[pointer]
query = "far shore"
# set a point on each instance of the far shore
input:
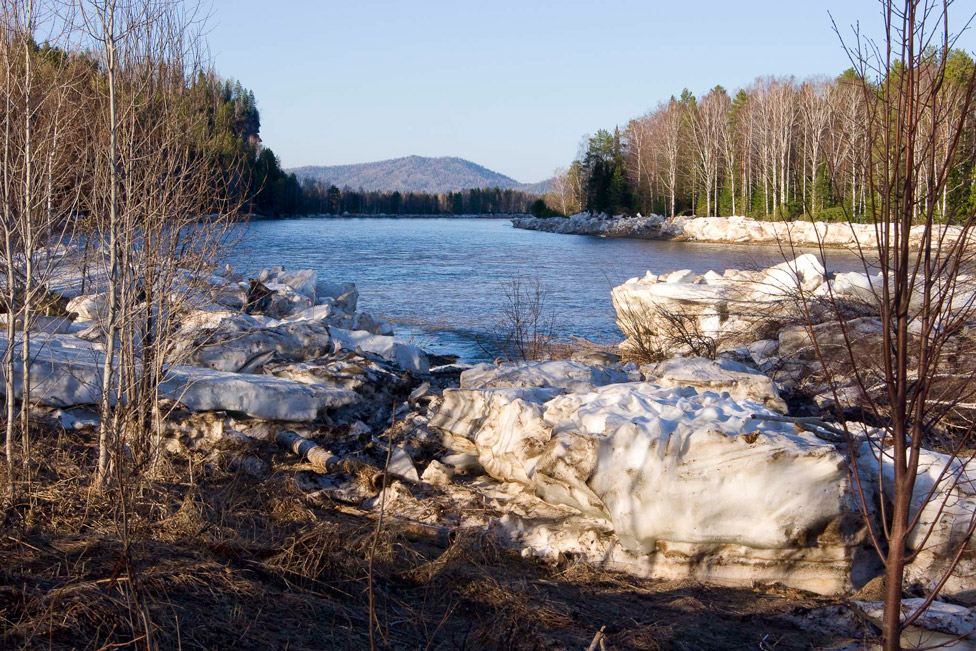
(257, 217)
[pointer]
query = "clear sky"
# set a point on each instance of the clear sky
(511, 85)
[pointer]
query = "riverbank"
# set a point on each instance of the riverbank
(718, 230)
(347, 215)
(232, 561)
(303, 423)
(314, 480)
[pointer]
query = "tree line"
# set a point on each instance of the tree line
(318, 199)
(780, 148)
(231, 132)
(225, 129)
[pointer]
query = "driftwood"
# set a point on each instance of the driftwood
(597, 640)
(316, 455)
(324, 461)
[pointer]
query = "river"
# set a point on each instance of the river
(442, 281)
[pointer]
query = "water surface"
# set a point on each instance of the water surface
(441, 281)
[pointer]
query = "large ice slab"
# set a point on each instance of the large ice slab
(66, 371)
(690, 483)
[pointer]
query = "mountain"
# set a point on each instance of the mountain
(414, 174)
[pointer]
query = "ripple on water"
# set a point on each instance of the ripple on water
(441, 280)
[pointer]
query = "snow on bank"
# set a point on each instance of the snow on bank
(67, 372)
(726, 230)
(730, 309)
(739, 308)
(652, 227)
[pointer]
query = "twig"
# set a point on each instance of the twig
(597, 639)
(373, 621)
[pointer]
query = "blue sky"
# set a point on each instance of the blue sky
(510, 85)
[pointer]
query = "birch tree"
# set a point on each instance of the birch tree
(162, 206)
(37, 157)
(672, 127)
(815, 102)
(709, 125)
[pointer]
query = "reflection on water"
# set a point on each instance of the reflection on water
(441, 280)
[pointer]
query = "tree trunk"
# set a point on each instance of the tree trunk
(27, 233)
(106, 431)
(8, 355)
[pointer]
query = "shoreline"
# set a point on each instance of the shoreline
(383, 216)
(718, 230)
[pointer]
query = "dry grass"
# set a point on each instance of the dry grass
(230, 562)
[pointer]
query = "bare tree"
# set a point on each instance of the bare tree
(528, 323)
(763, 141)
(709, 125)
(777, 113)
(39, 86)
(161, 207)
(730, 137)
(909, 126)
(816, 103)
(563, 194)
(672, 128)
(640, 156)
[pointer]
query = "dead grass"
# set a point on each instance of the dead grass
(230, 562)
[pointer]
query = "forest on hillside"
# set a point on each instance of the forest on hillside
(59, 92)
(418, 174)
(319, 199)
(780, 148)
(221, 124)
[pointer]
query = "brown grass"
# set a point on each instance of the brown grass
(230, 562)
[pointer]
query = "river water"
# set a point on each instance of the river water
(442, 281)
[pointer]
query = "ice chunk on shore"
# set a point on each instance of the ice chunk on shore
(67, 371)
(302, 281)
(690, 482)
(723, 376)
(235, 348)
(572, 376)
(940, 626)
(406, 356)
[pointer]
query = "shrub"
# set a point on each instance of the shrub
(833, 214)
(540, 209)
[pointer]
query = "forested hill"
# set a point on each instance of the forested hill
(413, 174)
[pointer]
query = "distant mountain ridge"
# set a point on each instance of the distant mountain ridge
(414, 174)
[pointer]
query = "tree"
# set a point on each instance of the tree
(672, 128)
(914, 384)
(783, 147)
(731, 137)
(640, 160)
(563, 192)
(709, 124)
(150, 187)
(39, 86)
